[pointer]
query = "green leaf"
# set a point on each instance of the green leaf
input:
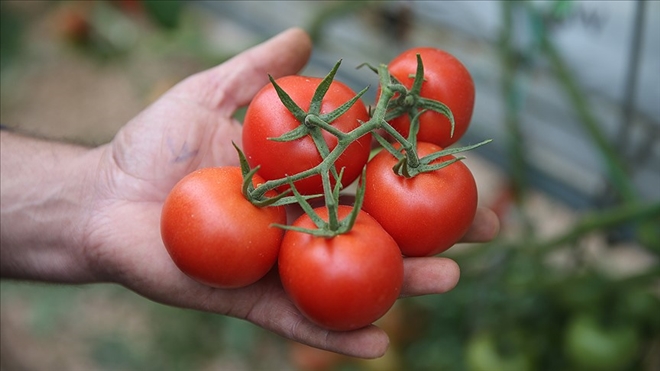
(295, 110)
(439, 107)
(280, 200)
(332, 116)
(419, 77)
(297, 133)
(369, 66)
(434, 167)
(245, 166)
(450, 151)
(248, 187)
(414, 127)
(317, 99)
(402, 169)
(165, 13)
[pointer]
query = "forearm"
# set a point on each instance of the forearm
(43, 209)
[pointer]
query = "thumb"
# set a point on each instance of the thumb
(234, 83)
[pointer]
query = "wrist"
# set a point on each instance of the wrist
(43, 210)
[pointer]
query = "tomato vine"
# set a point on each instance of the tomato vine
(394, 100)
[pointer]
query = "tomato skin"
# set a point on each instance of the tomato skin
(214, 234)
(266, 117)
(345, 282)
(426, 214)
(447, 81)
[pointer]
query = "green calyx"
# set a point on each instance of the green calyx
(411, 102)
(394, 100)
(333, 226)
(426, 164)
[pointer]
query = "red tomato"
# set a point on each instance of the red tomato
(214, 234)
(445, 80)
(345, 282)
(425, 214)
(267, 117)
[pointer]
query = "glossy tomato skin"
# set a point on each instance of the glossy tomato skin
(341, 283)
(214, 234)
(447, 81)
(426, 214)
(266, 117)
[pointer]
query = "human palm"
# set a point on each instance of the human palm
(190, 127)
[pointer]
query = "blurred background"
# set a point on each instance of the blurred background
(569, 91)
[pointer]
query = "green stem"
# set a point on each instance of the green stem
(313, 123)
(616, 169)
(603, 220)
(517, 152)
(330, 202)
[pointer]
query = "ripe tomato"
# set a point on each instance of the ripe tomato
(214, 234)
(446, 80)
(266, 117)
(345, 282)
(425, 214)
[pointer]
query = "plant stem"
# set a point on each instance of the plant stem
(605, 219)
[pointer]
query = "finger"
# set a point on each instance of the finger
(485, 227)
(432, 275)
(367, 342)
(277, 313)
(234, 83)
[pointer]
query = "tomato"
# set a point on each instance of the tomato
(345, 282)
(266, 117)
(592, 346)
(425, 214)
(445, 80)
(214, 234)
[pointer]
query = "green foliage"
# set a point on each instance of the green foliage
(165, 13)
(11, 28)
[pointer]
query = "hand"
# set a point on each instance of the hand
(189, 127)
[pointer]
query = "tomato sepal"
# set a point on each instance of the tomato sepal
(405, 169)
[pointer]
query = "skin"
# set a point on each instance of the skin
(97, 210)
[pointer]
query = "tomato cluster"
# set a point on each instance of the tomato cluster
(306, 137)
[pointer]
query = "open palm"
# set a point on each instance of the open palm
(190, 127)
